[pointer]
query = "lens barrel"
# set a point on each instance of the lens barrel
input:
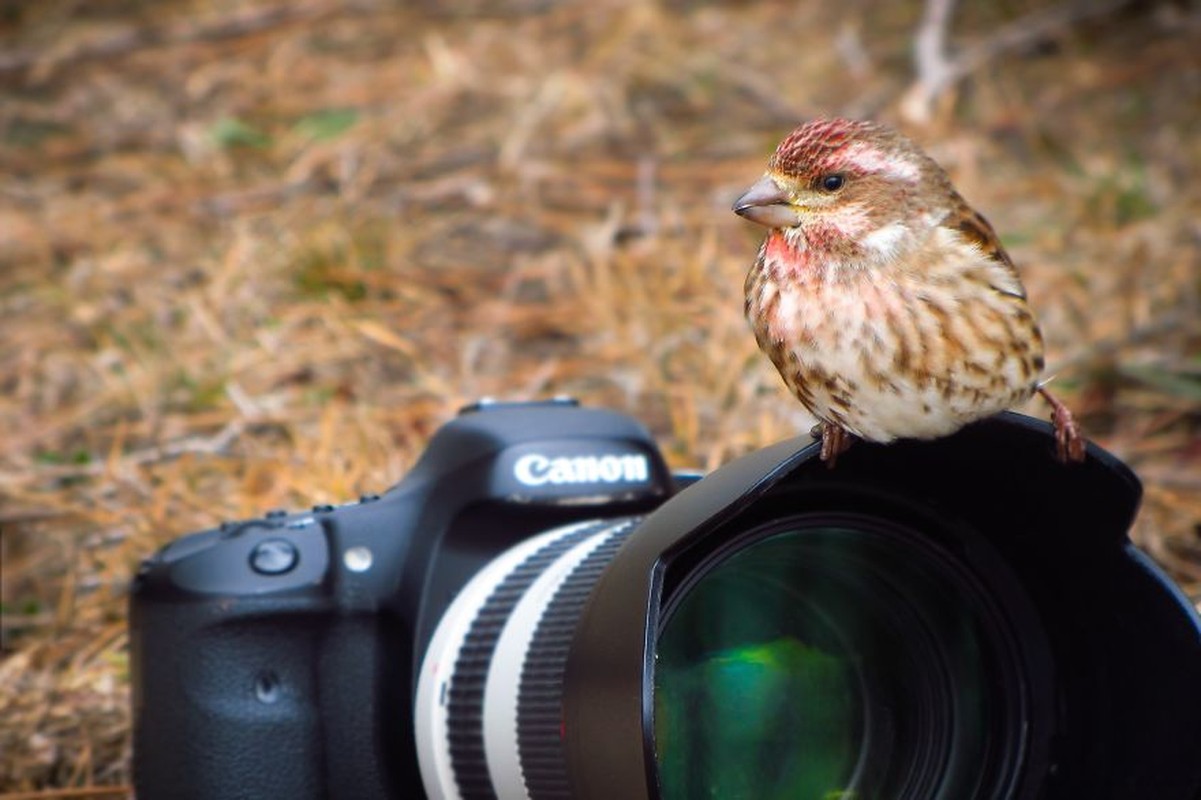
(917, 624)
(488, 710)
(813, 655)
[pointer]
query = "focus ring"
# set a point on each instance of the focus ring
(465, 696)
(540, 725)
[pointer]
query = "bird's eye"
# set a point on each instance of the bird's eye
(832, 183)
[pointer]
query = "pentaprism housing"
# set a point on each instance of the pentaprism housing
(541, 609)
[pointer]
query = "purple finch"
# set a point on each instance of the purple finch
(884, 300)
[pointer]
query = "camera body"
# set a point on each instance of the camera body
(355, 651)
(276, 657)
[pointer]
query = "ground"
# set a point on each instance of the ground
(252, 255)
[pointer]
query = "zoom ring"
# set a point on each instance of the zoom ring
(465, 697)
(540, 723)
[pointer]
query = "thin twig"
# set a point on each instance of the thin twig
(1036, 27)
(1170, 323)
(13, 516)
(205, 445)
(938, 70)
(69, 794)
(230, 26)
(935, 67)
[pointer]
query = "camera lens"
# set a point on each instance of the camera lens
(488, 721)
(827, 657)
(810, 657)
(836, 655)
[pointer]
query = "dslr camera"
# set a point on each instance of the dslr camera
(541, 609)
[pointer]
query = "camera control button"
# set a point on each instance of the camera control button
(274, 557)
(492, 404)
(323, 508)
(276, 513)
(369, 498)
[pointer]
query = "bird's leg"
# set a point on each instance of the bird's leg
(1069, 444)
(835, 441)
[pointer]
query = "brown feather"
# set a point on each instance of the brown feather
(972, 225)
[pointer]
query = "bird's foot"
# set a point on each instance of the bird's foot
(1069, 443)
(835, 441)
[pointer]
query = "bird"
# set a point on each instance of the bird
(884, 300)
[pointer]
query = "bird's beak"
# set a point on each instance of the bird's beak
(767, 204)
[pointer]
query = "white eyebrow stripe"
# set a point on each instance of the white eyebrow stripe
(872, 159)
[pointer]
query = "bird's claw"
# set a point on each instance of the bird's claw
(835, 441)
(1069, 443)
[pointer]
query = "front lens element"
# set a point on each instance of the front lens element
(834, 660)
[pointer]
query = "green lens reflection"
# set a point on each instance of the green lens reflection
(755, 743)
(825, 664)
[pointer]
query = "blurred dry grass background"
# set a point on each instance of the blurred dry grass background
(251, 255)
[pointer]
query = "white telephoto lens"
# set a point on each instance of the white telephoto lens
(436, 682)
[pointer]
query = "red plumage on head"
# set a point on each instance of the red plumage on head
(821, 145)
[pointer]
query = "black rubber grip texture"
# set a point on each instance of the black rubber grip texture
(540, 724)
(465, 696)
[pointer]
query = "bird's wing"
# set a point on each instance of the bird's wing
(972, 225)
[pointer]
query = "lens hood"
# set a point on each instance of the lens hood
(1105, 649)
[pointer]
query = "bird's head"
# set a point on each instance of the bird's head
(847, 186)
